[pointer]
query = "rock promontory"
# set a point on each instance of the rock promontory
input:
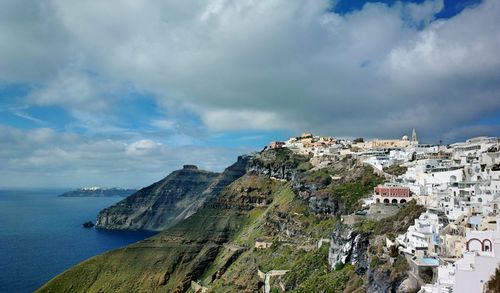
(170, 200)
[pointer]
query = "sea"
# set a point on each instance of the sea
(41, 235)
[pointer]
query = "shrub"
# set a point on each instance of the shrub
(375, 260)
(493, 285)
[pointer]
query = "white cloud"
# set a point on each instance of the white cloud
(423, 13)
(28, 117)
(144, 147)
(235, 64)
(73, 89)
(269, 64)
(237, 119)
(164, 124)
(45, 158)
(33, 44)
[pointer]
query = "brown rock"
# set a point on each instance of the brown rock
(163, 278)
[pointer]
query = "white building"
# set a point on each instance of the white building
(470, 274)
(423, 235)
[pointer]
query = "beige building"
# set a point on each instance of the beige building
(452, 241)
(391, 143)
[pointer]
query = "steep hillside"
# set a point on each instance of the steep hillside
(169, 200)
(277, 226)
(168, 260)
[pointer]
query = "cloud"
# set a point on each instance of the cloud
(267, 65)
(33, 43)
(73, 89)
(163, 124)
(472, 131)
(422, 14)
(28, 117)
(144, 147)
(43, 157)
(233, 119)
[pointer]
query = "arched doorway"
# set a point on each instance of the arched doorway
(386, 200)
(479, 246)
(403, 201)
(394, 201)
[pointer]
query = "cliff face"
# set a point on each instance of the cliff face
(169, 200)
(348, 246)
(277, 217)
(170, 260)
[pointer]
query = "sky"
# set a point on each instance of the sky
(120, 93)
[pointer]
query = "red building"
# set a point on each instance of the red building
(391, 194)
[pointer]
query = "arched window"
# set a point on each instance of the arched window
(403, 201)
(386, 200)
(394, 201)
(475, 244)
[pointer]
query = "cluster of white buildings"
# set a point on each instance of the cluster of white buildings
(457, 237)
(459, 184)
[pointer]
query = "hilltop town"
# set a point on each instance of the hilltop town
(454, 246)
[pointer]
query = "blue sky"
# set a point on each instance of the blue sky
(121, 93)
(450, 7)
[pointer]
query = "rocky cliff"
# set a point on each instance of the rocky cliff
(363, 245)
(271, 219)
(169, 200)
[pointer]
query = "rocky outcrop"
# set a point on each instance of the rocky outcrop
(381, 281)
(348, 246)
(88, 224)
(278, 164)
(168, 201)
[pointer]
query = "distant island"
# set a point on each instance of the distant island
(98, 192)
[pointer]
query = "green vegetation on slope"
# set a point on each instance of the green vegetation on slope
(296, 253)
(351, 192)
(395, 170)
(165, 261)
(311, 273)
(392, 271)
(400, 222)
(215, 247)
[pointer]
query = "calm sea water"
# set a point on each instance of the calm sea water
(41, 236)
